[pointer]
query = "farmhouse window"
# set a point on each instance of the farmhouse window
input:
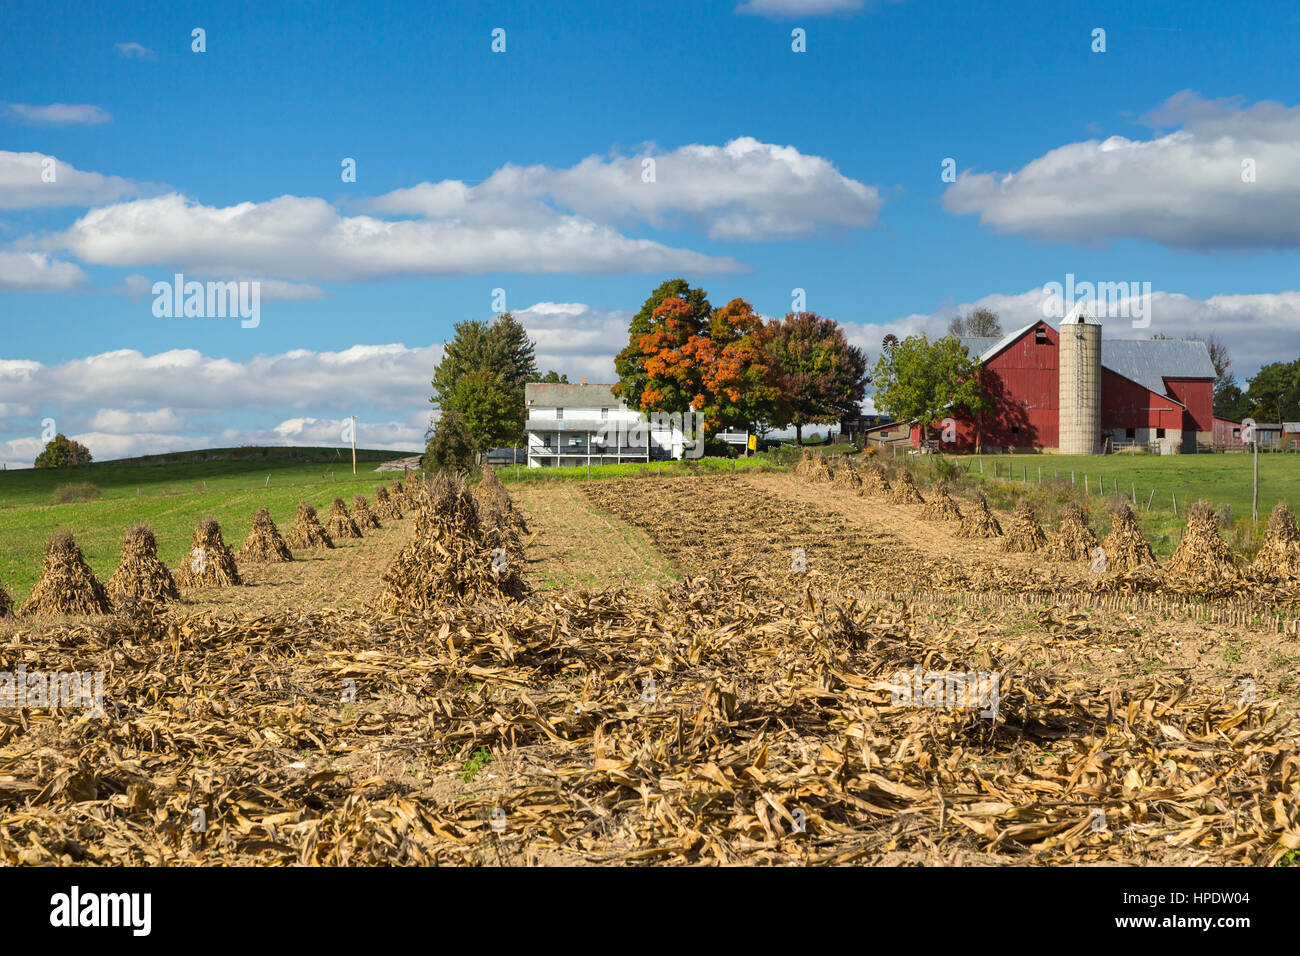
(559, 414)
(1130, 433)
(604, 414)
(1040, 336)
(1160, 433)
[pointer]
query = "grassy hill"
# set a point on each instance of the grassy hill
(172, 493)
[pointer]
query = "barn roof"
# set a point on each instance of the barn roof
(1150, 361)
(1145, 361)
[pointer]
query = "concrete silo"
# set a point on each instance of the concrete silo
(1080, 383)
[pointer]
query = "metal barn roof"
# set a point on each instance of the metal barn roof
(1146, 361)
(1150, 361)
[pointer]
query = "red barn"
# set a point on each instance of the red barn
(1155, 392)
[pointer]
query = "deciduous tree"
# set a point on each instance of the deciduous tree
(824, 377)
(924, 381)
(63, 452)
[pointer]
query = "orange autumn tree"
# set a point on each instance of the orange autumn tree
(673, 373)
(743, 384)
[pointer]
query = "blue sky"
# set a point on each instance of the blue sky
(520, 170)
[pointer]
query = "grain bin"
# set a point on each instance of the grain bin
(1080, 383)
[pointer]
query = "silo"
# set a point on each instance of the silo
(1080, 383)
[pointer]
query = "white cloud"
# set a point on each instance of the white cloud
(135, 51)
(1257, 328)
(37, 272)
(576, 340)
(306, 238)
(58, 114)
(1183, 189)
(125, 403)
(743, 190)
(272, 290)
(23, 183)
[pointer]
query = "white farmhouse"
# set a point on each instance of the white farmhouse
(586, 425)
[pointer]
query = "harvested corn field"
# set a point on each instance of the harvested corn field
(834, 681)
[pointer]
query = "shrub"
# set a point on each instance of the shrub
(77, 491)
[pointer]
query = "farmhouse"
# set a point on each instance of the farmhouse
(1069, 390)
(586, 425)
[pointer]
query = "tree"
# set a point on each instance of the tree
(824, 377)
(551, 378)
(673, 377)
(630, 364)
(1274, 393)
(62, 452)
(485, 404)
(449, 446)
(1226, 392)
(500, 348)
(981, 323)
(743, 383)
(924, 381)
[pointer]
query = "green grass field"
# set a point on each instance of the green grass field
(172, 493)
(1219, 479)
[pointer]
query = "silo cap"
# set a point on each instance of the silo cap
(1080, 315)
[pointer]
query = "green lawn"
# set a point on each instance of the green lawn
(1219, 479)
(172, 493)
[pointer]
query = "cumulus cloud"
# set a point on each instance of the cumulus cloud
(576, 340)
(1228, 178)
(125, 403)
(743, 190)
(58, 114)
(305, 238)
(135, 51)
(37, 272)
(24, 183)
(1257, 328)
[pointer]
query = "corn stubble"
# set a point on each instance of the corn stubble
(766, 711)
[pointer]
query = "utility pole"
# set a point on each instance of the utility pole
(354, 446)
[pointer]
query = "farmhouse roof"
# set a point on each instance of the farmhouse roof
(570, 396)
